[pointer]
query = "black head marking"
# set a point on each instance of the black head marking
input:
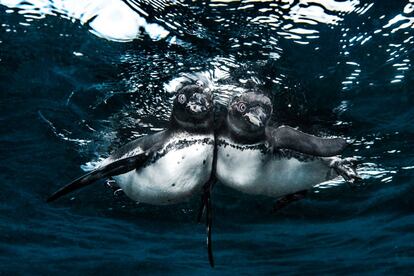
(249, 114)
(193, 108)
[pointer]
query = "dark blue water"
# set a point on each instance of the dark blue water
(77, 81)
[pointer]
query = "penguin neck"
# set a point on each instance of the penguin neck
(243, 137)
(195, 126)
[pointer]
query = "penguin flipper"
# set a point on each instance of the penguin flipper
(115, 168)
(286, 137)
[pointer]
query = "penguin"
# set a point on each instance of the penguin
(169, 166)
(281, 162)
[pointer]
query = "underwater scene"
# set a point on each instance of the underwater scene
(80, 79)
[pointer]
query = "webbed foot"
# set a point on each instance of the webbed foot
(346, 167)
(287, 199)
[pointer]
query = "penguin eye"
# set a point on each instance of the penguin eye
(241, 107)
(182, 98)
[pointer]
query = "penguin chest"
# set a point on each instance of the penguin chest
(253, 169)
(174, 173)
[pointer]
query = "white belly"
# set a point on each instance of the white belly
(264, 173)
(172, 178)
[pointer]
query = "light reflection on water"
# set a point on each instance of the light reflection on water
(110, 19)
(265, 24)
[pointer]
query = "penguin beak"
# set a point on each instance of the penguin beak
(256, 117)
(199, 104)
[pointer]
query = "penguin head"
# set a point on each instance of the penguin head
(249, 114)
(193, 107)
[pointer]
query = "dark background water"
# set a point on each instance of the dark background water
(68, 96)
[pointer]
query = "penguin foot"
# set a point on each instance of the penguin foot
(287, 199)
(346, 168)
